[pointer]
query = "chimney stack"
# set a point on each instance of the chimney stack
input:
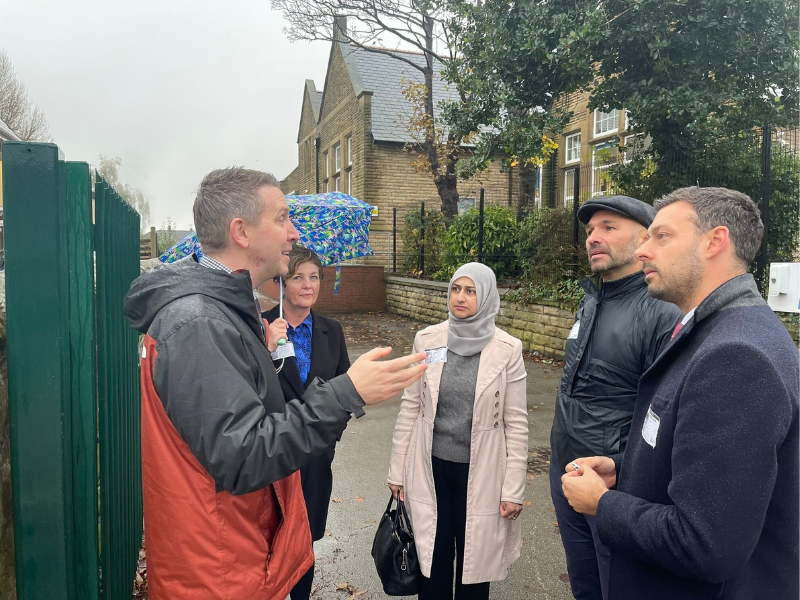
(340, 29)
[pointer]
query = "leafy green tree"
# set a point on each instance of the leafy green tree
(689, 71)
(517, 62)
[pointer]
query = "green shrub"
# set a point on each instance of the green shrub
(544, 246)
(499, 242)
(565, 294)
(435, 228)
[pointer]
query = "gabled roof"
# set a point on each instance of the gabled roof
(381, 75)
(6, 134)
(315, 99)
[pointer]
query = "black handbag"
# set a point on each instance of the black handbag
(394, 552)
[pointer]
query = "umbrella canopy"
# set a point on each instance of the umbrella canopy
(334, 225)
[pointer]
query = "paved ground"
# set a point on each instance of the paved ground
(344, 565)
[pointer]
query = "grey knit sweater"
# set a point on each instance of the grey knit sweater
(452, 427)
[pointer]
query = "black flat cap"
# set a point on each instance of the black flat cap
(632, 208)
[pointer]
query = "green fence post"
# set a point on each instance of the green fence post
(37, 304)
(117, 250)
(83, 357)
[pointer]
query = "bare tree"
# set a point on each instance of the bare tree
(16, 109)
(373, 25)
(109, 170)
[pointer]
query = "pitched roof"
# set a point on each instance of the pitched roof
(382, 75)
(6, 134)
(314, 97)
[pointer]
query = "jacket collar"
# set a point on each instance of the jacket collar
(734, 293)
(596, 287)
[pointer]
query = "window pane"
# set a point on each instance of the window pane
(605, 122)
(573, 143)
(325, 166)
(337, 184)
(349, 151)
(569, 186)
(349, 183)
(336, 159)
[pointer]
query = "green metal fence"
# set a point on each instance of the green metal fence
(73, 378)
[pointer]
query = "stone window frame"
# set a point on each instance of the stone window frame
(337, 158)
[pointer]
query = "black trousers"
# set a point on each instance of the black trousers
(302, 589)
(450, 482)
(588, 559)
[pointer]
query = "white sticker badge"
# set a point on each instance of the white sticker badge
(650, 427)
(284, 351)
(436, 355)
(573, 333)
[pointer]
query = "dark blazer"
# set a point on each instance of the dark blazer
(707, 505)
(328, 359)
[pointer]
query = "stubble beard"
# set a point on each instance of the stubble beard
(617, 258)
(680, 285)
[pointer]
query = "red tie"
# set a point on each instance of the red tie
(675, 331)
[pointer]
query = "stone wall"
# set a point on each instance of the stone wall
(542, 328)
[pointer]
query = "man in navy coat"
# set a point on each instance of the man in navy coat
(704, 501)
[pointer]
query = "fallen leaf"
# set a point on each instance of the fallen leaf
(337, 500)
(527, 503)
(359, 499)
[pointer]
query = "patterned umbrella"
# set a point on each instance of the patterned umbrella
(334, 225)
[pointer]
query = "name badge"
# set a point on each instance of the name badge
(436, 355)
(284, 351)
(650, 427)
(573, 333)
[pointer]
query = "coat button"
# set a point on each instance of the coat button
(496, 415)
(495, 424)
(496, 404)
(497, 393)
(424, 384)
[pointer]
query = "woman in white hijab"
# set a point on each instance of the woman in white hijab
(460, 447)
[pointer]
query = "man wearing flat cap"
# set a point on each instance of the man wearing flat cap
(619, 331)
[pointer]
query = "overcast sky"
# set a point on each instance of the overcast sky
(175, 88)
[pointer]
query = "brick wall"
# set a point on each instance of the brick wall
(542, 328)
(361, 290)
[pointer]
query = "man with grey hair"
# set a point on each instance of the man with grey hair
(704, 503)
(221, 447)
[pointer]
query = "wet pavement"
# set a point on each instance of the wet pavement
(344, 566)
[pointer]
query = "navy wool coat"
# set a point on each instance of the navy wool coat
(707, 499)
(328, 360)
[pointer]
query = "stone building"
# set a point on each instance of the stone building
(353, 137)
(592, 140)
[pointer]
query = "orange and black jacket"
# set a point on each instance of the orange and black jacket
(224, 511)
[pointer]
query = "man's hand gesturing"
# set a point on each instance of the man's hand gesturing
(376, 380)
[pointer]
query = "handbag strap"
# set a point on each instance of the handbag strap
(403, 523)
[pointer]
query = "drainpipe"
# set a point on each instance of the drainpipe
(316, 164)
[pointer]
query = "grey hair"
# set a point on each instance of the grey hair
(715, 207)
(224, 195)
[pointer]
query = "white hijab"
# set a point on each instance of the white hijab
(470, 335)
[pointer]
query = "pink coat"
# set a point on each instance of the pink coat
(498, 456)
